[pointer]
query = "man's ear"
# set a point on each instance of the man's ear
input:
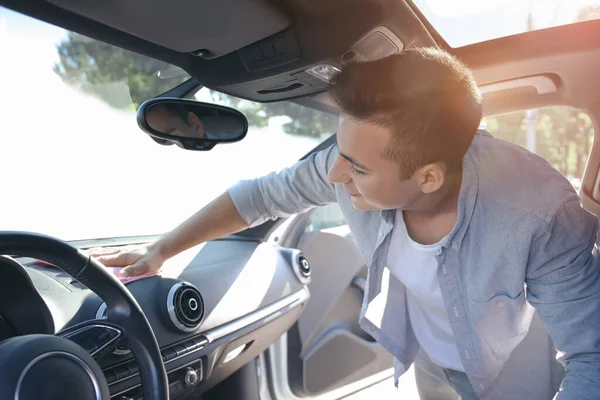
(431, 177)
(196, 123)
(194, 120)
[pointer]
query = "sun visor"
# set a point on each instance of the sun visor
(208, 28)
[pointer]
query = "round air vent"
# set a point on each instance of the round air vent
(185, 306)
(301, 267)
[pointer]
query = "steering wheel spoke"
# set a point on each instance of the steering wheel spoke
(98, 337)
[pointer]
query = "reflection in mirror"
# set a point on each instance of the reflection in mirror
(200, 121)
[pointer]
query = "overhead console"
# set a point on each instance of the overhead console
(323, 37)
(283, 49)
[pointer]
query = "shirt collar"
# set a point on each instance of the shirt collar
(466, 202)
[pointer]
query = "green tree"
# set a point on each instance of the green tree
(105, 71)
(564, 136)
(99, 68)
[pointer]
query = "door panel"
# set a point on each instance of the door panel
(335, 262)
(332, 349)
(340, 357)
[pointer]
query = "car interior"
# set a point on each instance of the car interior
(271, 312)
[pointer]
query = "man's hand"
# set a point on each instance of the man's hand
(218, 219)
(137, 260)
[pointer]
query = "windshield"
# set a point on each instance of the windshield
(73, 161)
(463, 22)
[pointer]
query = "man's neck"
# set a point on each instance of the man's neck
(437, 217)
(443, 201)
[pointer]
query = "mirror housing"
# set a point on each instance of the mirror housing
(192, 125)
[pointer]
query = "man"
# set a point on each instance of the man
(465, 236)
(174, 119)
(177, 120)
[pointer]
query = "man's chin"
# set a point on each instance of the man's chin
(359, 203)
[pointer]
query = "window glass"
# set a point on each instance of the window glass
(74, 163)
(463, 22)
(561, 135)
(326, 218)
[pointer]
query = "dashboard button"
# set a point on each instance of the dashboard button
(190, 345)
(169, 354)
(180, 349)
(175, 387)
(191, 377)
(201, 341)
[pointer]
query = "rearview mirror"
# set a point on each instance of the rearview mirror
(190, 124)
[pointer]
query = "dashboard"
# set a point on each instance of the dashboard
(212, 311)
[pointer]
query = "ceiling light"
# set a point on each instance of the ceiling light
(324, 72)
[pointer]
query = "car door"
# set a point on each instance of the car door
(333, 350)
(326, 353)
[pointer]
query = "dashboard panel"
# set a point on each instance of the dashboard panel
(213, 309)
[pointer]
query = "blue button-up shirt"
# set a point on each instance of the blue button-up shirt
(522, 251)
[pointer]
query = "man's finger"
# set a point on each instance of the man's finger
(103, 251)
(136, 269)
(113, 260)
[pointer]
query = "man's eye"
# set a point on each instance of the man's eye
(357, 171)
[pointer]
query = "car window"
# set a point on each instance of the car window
(326, 218)
(75, 164)
(464, 22)
(561, 135)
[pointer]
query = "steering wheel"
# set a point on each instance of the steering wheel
(62, 366)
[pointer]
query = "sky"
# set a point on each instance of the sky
(462, 22)
(75, 168)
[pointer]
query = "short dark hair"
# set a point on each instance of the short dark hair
(177, 109)
(425, 96)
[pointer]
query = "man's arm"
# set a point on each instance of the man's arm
(563, 284)
(250, 203)
(293, 190)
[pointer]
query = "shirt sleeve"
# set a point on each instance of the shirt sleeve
(563, 284)
(293, 190)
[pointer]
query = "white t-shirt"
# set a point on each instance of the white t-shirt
(415, 266)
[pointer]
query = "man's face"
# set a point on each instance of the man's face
(164, 121)
(372, 182)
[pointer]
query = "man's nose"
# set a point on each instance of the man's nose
(338, 172)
